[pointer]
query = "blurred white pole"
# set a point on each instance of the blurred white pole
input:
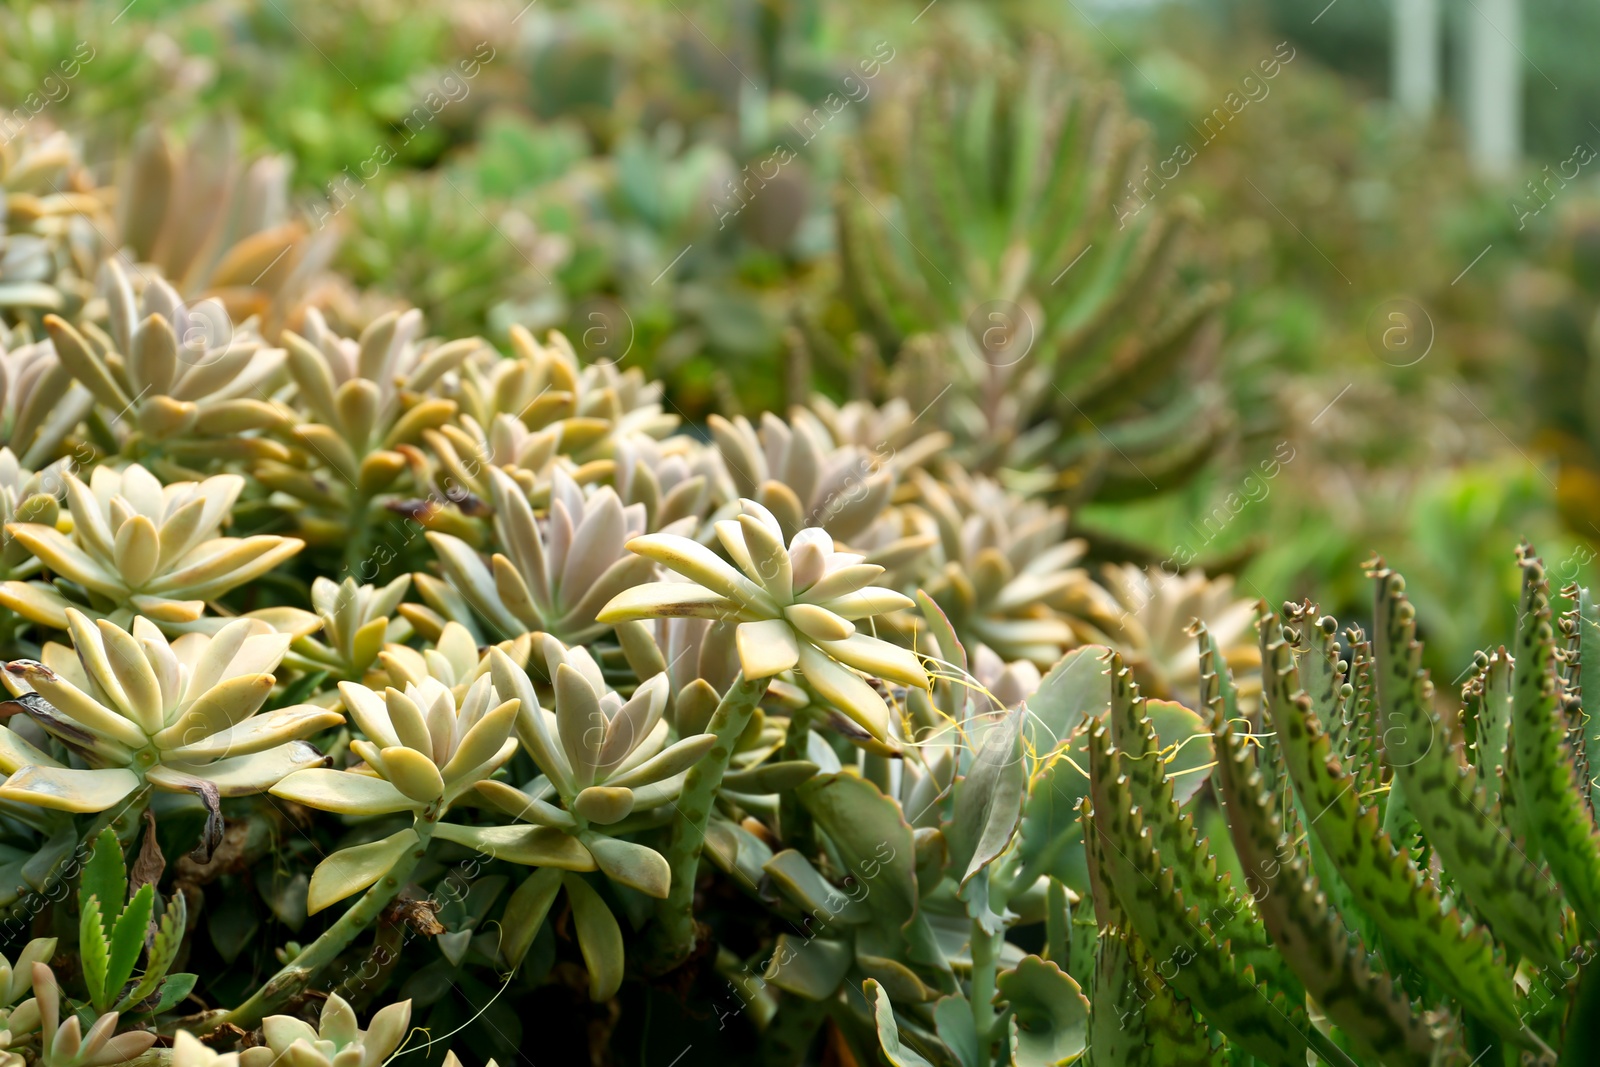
(1494, 84)
(1414, 56)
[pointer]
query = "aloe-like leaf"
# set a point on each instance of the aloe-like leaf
(1547, 793)
(599, 938)
(1231, 915)
(1442, 791)
(1402, 902)
(1334, 969)
(1136, 1019)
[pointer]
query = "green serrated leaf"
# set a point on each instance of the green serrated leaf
(105, 877)
(1270, 1027)
(1547, 792)
(1230, 915)
(1442, 791)
(127, 941)
(1332, 965)
(163, 951)
(92, 948)
(1136, 1019)
(1401, 901)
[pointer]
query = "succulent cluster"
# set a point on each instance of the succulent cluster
(398, 639)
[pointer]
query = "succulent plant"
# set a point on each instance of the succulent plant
(801, 477)
(554, 581)
(172, 379)
(139, 711)
(140, 547)
(40, 404)
(1397, 908)
(48, 239)
(65, 1043)
(370, 396)
(796, 608)
(356, 624)
(1058, 323)
(216, 225)
(1006, 562)
(335, 1039)
(427, 748)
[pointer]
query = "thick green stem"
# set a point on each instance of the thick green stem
(986, 956)
(794, 821)
(299, 972)
(1058, 925)
(985, 959)
(359, 542)
(675, 914)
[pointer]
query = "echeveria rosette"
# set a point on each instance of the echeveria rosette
(552, 580)
(138, 547)
(65, 1043)
(422, 749)
(604, 758)
(336, 1041)
(796, 608)
(424, 746)
(356, 624)
(134, 710)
